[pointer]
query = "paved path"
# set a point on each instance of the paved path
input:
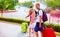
(11, 30)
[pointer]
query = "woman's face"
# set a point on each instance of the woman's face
(32, 10)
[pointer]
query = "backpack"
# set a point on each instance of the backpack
(44, 15)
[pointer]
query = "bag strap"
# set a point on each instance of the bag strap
(38, 11)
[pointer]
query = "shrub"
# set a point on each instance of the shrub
(56, 27)
(14, 20)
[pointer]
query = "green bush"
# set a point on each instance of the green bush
(14, 20)
(26, 4)
(53, 3)
(56, 27)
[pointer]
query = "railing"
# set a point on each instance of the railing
(54, 18)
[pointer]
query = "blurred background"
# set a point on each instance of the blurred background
(16, 11)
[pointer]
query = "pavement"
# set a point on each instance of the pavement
(8, 29)
(12, 30)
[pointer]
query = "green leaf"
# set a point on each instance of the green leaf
(7, 4)
(53, 3)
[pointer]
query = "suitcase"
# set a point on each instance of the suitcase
(48, 32)
(24, 27)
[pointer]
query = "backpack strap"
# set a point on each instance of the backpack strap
(37, 13)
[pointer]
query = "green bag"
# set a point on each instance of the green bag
(24, 27)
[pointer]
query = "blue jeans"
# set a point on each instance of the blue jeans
(36, 29)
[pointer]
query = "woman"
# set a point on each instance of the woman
(32, 20)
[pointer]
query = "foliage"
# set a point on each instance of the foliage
(26, 4)
(56, 27)
(16, 20)
(53, 3)
(7, 4)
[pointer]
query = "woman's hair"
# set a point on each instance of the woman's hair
(31, 6)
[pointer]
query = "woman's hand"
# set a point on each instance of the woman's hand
(26, 17)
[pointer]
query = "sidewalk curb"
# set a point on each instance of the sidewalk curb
(57, 33)
(9, 22)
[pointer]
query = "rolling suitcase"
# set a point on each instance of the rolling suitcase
(48, 32)
(24, 27)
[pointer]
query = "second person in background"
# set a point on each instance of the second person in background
(32, 20)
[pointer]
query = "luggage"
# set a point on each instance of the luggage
(24, 27)
(48, 32)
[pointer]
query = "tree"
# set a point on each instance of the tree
(7, 4)
(26, 4)
(38, 0)
(53, 3)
